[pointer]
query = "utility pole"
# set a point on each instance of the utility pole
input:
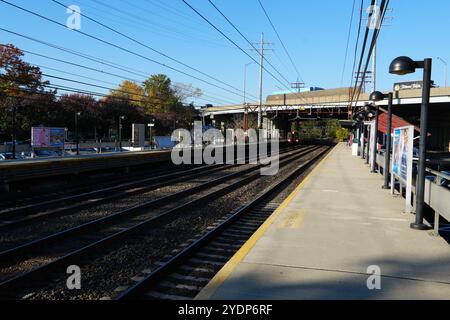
(261, 70)
(261, 52)
(375, 22)
(375, 12)
(298, 85)
(374, 68)
(364, 79)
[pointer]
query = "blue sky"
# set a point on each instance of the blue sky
(314, 32)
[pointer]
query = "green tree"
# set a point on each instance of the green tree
(131, 91)
(160, 96)
(342, 134)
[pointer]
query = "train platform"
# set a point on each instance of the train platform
(22, 171)
(330, 238)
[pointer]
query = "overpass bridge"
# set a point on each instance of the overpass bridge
(279, 109)
(324, 100)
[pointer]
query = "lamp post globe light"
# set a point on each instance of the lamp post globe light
(376, 97)
(77, 136)
(402, 66)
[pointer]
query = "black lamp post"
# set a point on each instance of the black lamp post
(378, 96)
(120, 132)
(401, 66)
(363, 114)
(14, 131)
(150, 126)
(375, 140)
(77, 136)
(360, 128)
(360, 118)
(368, 114)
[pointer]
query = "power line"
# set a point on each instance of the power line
(140, 20)
(229, 39)
(384, 7)
(165, 6)
(109, 88)
(364, 45)
(149, 47)
(218, 99)
(74, 74)
(136, 81)
(281, 41)
(248, 41)
(119, 47)
(350, 92)
(105, 88)
(79, 65)
(251, 44)
(348, 41)
(94, 59)
(82, 92)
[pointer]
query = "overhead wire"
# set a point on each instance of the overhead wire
(281, 41)
(239, 47)
(348, 41)
(119, 47)
(361, 58)
(383, 9)
(94, 59)
(148, 47)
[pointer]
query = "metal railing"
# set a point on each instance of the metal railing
(437, 191)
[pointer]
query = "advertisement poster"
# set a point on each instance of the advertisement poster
(48, 137)
(402, 160)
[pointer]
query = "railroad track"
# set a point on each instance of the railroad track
(31, 213)
(20, 199)
(74, 244)
(29, 201)
(182, 276)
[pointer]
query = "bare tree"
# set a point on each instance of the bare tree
(185, 91)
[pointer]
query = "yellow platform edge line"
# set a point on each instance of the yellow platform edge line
(228, 268)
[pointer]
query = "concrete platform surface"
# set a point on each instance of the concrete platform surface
(320, 243)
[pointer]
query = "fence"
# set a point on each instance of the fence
(437, 191)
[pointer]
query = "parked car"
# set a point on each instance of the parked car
(88, 150)
(7, 156)
(46, 153)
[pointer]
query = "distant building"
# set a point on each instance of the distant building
(307, 89)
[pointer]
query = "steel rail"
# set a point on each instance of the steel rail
(154, 277)
(40, 272)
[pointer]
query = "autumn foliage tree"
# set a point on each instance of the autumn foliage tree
(22, 87)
